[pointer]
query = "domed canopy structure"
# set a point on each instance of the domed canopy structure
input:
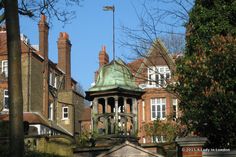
(115, 76)
(114, 104)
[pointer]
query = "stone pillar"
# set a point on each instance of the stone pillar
(116, 115)
(106, 118)
(125, 106)
(191, 146)
(94, 114)
(106, 100)
(125, 111)
(135, 119)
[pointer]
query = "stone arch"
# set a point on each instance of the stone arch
(110, 105)
(121, 104)
(129, 105)
(101, 106)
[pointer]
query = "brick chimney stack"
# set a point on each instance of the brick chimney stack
(43, 50)
(103, 57)
(43, 37)
(64, 61)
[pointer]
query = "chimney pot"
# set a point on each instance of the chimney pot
(43, 36)
(103, 57)
(60, 35)
(43, 18)
(104, 48)
(64, 35)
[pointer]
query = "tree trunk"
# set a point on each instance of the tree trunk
(14, 79)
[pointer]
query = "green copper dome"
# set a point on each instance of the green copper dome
(115, 75)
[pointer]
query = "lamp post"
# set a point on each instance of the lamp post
(112, 8)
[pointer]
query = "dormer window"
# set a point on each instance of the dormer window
(158, 76)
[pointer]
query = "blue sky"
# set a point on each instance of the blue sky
(91, 29)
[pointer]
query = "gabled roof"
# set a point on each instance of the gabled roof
(128, 149)
(134, 65)
(157, 47)
(32, 118)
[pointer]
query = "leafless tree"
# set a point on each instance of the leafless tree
(62, 10)
(159, 20)
(174, 43)
(9, 11)
(160, 29)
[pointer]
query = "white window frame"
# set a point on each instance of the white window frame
(53, 79)
(50, 78)
(5, 67)
(158, 139)
(4, 99)
(50, 111)
(55, 82)
(157, 74)
(175, 105)
(64, 113)
(155, 103)
(144, 140)
(143, 111)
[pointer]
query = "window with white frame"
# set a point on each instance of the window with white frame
(158, 76)
(50, 111)
(158, 139)
(158, 108)
(143, 110)
(175, 108)
(6, 99)
(144, 140)
(53, 80)
(50, 78)
(5, 67)
(65, 113)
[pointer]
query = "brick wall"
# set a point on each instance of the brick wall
(191, 146)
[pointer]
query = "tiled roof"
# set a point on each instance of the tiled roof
(32, 118)
(134, 65)
(3, 44)
(25, 47)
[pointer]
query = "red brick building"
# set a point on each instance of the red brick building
(152, 74)
(51, 101)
